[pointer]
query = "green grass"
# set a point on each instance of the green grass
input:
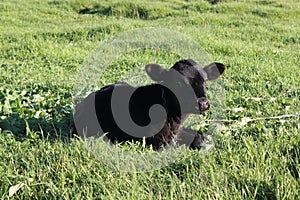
(44, 43)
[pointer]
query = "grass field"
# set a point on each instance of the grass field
(43, 45)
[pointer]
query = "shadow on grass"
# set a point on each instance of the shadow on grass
(294, 159)
(128, 10)
(256, 189)
(62, 129)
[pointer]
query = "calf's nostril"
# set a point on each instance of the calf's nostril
(207, 105)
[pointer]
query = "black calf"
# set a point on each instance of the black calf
(154, 112)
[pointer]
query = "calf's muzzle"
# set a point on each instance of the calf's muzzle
(203, 104)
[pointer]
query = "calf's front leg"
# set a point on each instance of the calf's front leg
(191, 138)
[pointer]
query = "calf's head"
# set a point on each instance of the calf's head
(188, 79)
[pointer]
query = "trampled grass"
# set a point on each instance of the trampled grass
(43, 45)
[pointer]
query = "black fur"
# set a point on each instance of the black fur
(145, 97)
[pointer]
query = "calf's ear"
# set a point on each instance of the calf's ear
(156, 72)
(214, 70)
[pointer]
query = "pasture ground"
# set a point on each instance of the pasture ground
(44, 43)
